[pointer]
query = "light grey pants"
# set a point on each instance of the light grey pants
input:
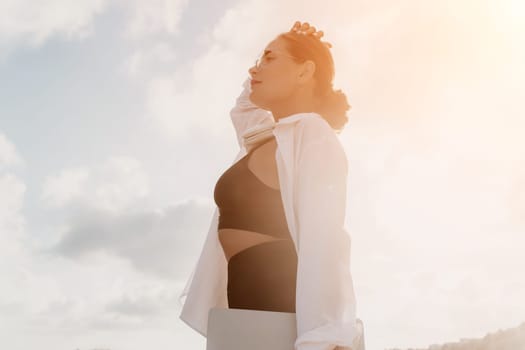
(239, 329)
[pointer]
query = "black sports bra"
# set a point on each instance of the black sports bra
(245, 202)
(263, 276)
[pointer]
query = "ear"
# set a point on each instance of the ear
(307, 71)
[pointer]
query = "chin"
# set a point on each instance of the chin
(256, 101)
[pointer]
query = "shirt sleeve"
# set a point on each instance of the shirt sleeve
(325, 301)
(245, 114)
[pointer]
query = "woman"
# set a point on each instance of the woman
(279, 244)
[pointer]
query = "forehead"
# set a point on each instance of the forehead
(278, 45)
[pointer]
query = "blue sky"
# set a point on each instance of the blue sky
(114, 128)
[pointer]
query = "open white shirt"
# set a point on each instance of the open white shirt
(312, 169)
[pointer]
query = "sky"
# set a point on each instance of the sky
(114, 128)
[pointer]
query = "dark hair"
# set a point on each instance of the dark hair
(333, 103)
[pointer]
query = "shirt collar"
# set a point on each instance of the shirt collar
(295, 117)
(262, 131)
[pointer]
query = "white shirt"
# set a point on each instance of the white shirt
(312, 169)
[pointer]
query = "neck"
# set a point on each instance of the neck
(298, 103)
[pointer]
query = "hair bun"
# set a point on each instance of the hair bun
(333, 108)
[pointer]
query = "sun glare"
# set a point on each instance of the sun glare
(511, 15)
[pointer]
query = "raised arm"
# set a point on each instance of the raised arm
(245, 114)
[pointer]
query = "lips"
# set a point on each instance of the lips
(253, 82)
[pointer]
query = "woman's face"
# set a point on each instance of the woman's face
(277, 74)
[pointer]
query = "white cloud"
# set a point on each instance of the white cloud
(8, 154)
(44, 296)
(154, 17)
(112, 186)
(198, 93)
(52, 295)
(70, 183)
(12, 239)
(145, 61)
(147, 239)
(516, 199)
(31, 23)
(126, 182)
(12, 192)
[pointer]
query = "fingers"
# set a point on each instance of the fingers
(302, 27)
(305, 28)
(319, 34)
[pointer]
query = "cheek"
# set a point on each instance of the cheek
(278, 87)
(267, 95)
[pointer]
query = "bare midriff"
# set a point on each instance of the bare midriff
(235, 240)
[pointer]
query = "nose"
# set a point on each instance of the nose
(252, 70)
